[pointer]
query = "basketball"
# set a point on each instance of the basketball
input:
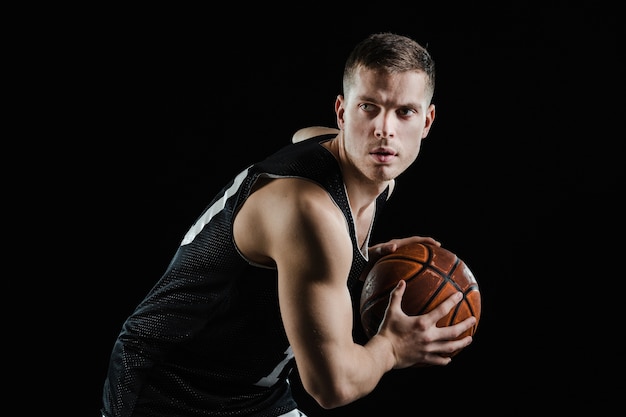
(432, 274)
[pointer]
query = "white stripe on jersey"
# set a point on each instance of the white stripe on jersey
(271, 379)
(214, 209)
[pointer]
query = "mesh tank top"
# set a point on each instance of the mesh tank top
(208, 340)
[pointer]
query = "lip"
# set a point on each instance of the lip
(383, 154)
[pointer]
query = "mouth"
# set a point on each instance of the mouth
(383, 154)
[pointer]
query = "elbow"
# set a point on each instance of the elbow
(330, 394)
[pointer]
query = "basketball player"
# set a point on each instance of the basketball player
(268, 276)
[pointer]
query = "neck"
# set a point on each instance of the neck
(361, 190)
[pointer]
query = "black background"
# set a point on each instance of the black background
(521, 175)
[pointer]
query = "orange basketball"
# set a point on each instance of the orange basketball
(432, 274)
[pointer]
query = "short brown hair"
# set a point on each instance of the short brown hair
(391, 53)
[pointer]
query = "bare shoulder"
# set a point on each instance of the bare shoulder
(298, 195)
(282, 210)
(311, 131)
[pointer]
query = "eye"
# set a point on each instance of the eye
(367, 107)
(406, 112)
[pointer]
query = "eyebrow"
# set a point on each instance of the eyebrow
(410, 105)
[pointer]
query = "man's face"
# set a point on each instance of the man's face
(384, 118)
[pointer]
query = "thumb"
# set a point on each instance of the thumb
(386, 249)
(395, 298)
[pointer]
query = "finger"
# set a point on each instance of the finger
(448, 348)
(435, 359)
(449, 337)
(423, 239)
(454, 331)
(386, 249)
(428, 239)
(446, 305)
(395, 300)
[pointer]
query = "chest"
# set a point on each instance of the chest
(363, 226)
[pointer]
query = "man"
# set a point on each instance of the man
(269, 275)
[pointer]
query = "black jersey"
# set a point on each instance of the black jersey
(208, 339)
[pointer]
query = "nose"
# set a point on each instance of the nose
(383, 129)
(382, 134)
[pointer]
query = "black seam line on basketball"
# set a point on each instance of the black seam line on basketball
(470, 305)
(445, 275)
(387, 291)
(432, 297)
(425, 264)
(446, 279)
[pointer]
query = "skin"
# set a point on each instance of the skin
(294, 225)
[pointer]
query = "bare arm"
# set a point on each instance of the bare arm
(318, 315)
(294, 224)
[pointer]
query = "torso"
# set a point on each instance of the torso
(209, 292)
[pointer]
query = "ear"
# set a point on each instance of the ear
(430, 118)
(339, 111)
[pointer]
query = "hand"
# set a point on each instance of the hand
(382, 249)
(416, 340)
(378, 251)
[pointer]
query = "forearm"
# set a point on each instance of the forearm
(347, 374)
